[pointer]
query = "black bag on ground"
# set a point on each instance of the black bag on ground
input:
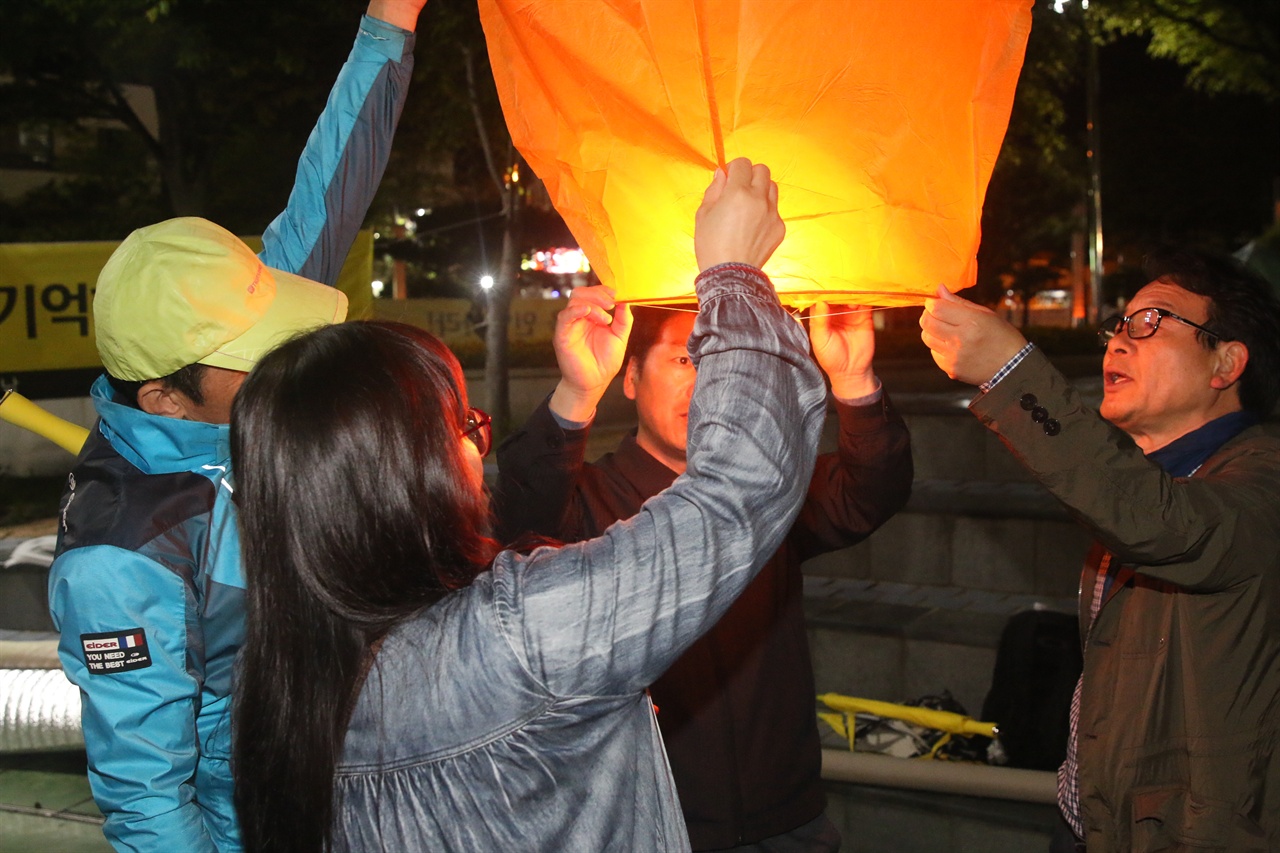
(1037, 666)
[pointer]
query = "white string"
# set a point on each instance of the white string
(794, 312)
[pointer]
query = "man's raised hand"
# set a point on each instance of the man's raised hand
(969, 342)
(399, 13)
(844, 341)
(589, 345)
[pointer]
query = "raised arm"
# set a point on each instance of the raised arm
(398, 13)
(346, 154)
(609, 615)
(844, 343)
(590, 344)
(859, 487)
(1176, 529)
(539, 464)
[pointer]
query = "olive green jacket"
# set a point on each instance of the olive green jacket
(1180, 706)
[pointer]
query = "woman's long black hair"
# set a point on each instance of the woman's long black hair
(357, 509)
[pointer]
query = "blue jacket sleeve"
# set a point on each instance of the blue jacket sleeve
(139, 725)
(345, 157)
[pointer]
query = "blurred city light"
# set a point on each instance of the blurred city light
(558, 261)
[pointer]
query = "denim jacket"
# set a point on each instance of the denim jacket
(512, 715)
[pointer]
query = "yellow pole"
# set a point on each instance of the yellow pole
(19, 411)
(945, 721)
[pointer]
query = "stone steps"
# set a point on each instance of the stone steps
(919, 606)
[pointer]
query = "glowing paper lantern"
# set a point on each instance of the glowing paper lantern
(881, 121)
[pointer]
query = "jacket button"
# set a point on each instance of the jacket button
(1039, 414)
(1028, 402)
(1052, 427)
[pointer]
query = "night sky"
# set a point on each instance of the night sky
(1176, 164)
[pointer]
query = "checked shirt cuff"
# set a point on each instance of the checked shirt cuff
(1007, 369)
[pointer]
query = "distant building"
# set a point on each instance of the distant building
(35, 153)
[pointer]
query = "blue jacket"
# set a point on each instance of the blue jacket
(511, 715)
(147, 589)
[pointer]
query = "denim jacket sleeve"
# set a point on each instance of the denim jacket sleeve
(344, 158)
(607, 616)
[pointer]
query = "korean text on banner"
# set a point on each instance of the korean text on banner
(46, 300)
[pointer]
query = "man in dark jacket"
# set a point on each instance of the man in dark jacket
(737, 710)
(1175, 739)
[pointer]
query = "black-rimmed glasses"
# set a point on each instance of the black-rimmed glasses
(479, 428)
(1143, 324)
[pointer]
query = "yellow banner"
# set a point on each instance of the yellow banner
(457, 321)
(46, 300)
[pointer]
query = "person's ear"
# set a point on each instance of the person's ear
(157, 398)
(1232, 357)
(630, 376)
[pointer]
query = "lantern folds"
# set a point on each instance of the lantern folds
(880, 119)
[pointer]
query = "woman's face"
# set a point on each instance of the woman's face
(475, 464)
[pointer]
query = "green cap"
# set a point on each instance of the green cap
(187, 291)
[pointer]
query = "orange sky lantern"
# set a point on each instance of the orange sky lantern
(881, 121)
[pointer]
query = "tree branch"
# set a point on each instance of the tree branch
(474, 99)
(1197, 24)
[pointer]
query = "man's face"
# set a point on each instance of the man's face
(219, 387)
(1162, 387)
(662, 387)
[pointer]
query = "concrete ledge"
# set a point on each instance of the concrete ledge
(896, 641)
(24, 598)
(948, 614)
(948, 777)
(29, 654)
(876, 819)
(985, 499)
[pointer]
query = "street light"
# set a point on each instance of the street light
(486, 283)
(1094, 154)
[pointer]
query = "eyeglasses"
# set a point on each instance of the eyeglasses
(479, 428)
(1144, 324)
